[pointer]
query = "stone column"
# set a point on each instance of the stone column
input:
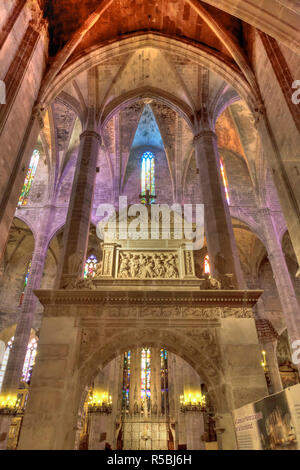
(51, 416)
(174, 395)
(78, 220)
(176, 367)
(115, 390)
(155, 381)
(19, 66)
(268, 342)
(194, 423)
(19, 126)
(97, 421)
(288, 201)
(12, 17)
(22, 334)
(17, 354)
(220, 239)
(243, 377)
(135, 380)
(286, 291)
(98, 424)
(272, 364)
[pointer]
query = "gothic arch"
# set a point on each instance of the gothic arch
(197, 54)
(28, 222)
(143, 93)
(55, 231)
(203, 357)
(248, 224)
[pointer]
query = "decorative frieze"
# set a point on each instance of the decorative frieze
(237, 313)
(148, 265)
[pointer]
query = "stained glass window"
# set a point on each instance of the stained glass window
(164, 381)
(4, 361)
(145, 373)
(126, 380)
(206, 265)
(25, 283)
(224, 178)
(145, 359)
(23, 199)
(90, 266)
(148, 176)
(29, 360)
(28, 363)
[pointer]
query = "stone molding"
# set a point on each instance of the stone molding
(146, 296)
(90, 133)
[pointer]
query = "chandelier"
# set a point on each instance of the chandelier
(100, 403)
(192, 402)
(11, 405)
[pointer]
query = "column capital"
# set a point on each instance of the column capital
(206, 133)
(39, 112)
(259, 114)
(39, 24)
(264, 211)
(91, 133)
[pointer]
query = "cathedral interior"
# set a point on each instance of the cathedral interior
(146, 343)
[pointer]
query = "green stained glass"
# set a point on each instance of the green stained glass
(25, 283)
(23, 199)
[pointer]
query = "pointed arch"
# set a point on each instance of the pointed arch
(198, 54)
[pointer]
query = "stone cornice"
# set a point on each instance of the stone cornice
(147, 297)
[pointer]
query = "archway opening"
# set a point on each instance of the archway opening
(147, 398)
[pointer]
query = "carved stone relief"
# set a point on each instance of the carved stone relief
(237, 312)
(148, 265)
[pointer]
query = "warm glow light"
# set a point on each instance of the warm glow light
(206, 265)
(9, 401)
(263, 362)
(224, 178)
(194, 399)
(99, 399)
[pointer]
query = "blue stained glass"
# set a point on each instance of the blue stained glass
(90, 266)
(148, 175)
(126, 380)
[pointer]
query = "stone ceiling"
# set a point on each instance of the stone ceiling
(124, 17)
